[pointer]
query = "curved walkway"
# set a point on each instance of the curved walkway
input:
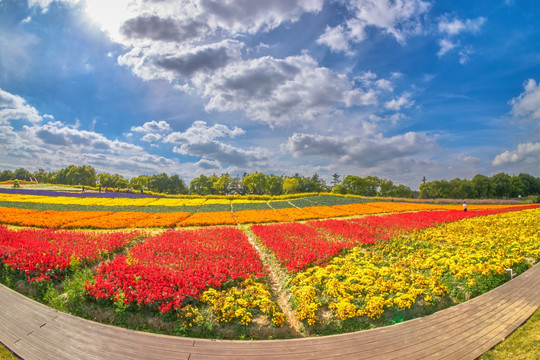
(465, 331)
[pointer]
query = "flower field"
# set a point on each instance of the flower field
(344, 263)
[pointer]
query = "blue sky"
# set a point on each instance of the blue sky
(398, 89)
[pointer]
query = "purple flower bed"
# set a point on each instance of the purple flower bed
(78, 194)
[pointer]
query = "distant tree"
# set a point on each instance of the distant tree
(201, 185)
(291, 185)
(158, 183)
(22, 174)
(482, 187)
(530, 183)
(501, 185)
(366, 186)
(516, 187)
(175, 185)
(42, 176)
(274, 185)
(255, 183)
(139, 182)
(335, 179)
(112, 181)
(6, 175)
(223, 184)
(81, 175)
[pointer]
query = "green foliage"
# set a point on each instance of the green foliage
(482, 187)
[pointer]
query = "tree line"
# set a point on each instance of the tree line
(497, 186)
(224, 184)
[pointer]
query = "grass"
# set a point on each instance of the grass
(5, 354)
(522, 344)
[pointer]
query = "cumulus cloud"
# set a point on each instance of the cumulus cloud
(365, 151)
(56, 134)
(281, 91)
(526, 106)
(528, 153)
(201, 140)
(152, 127)
(14, 107)
(172, 61)
(401, 102)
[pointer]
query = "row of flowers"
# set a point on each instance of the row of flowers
(298, 245)
(44, 253)
(159, 272)
(175, 269)
(420, 268)
(134, 219)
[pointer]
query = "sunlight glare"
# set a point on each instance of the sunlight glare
(108, 14)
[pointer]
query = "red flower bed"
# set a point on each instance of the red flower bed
(45, 253)
(297, 245)
(169, 267)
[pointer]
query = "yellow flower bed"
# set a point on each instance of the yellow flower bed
(415, 268)
(241, 302)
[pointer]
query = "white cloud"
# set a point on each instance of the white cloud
(336, 38)
(527, 105)
(453, 28)
(200, 132)
(366, 151)
(399, 18)
(281, 91)
(201, 140)
(446, 45)
(528, 154)
(14, 107)
(403, 101)
(457, 26)
(152, 127)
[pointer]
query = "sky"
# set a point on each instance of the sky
(399, 89)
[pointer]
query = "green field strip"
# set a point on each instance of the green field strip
(214, 207)
(250, 206)
(328, 200)
(283, 204)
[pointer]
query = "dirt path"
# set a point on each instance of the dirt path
(277, 277)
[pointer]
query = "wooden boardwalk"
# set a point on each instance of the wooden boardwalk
(465, 331)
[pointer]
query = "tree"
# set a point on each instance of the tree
(223, 184)
(255, 183)
(22, 174)
(481, 187)
(81, 175)
(112, 181)
(139, 182)
(6, 175)
(501, 185)
(274, 185)
(175, 185)
(158, 183)
(291, 185)
(42, 176)
(516, 187)
(201, 185)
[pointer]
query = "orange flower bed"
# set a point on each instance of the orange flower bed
(118, 220)
(258, 216)
(209, 218)
(295, 214)
(161, 220)
(49, 219)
